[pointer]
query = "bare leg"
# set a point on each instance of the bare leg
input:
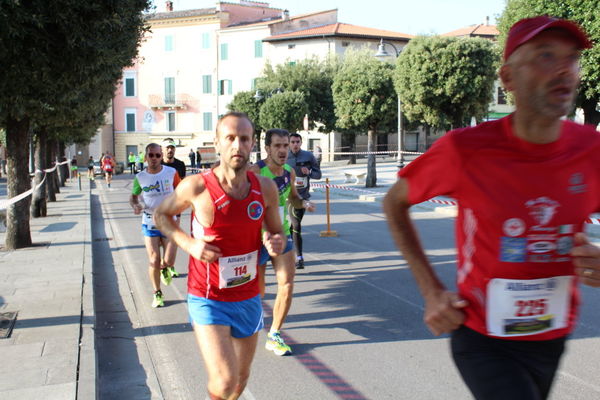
(227, 360)
(170, 250)
(262, 269)
(285, 271)
(153, 250)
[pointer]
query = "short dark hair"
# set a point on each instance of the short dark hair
(295, 134)
(236, 114)
(152, 145)
(275, 131)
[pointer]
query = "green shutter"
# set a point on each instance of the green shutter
(171, 121)
(207, 84)
(230, 86)
(258, 48)
(169, 43)
(129, 87)
(207, 121)
(224, 51)
(170, 90)
(206, 40)
(130, 122)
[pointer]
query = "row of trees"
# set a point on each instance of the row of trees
(61, 61)
(442, 82)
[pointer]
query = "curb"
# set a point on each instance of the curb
(87, 363)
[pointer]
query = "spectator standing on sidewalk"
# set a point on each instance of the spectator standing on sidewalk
(168, 148)
(192, 157)
(131, 162)
(139, 159)
(520, 257)
(154, 185)
(230, 206)
(306, 167)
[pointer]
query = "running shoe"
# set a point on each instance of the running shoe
(157, 300)
(174, 273)
(165, 276)
(300, 263)
(276, 344)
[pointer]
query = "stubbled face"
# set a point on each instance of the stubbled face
(278, 150)
(154, 156)
(295, 144)
(543, 74)
(234, 143)
(169, 152)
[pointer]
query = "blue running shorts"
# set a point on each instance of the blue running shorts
(244, 317)
(264, 254)
(151, 232)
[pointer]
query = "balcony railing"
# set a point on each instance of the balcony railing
(169, 102)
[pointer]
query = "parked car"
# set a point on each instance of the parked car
(98, 168)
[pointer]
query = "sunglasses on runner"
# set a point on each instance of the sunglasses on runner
(152, 155)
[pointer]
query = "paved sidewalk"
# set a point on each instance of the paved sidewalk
(50, 353)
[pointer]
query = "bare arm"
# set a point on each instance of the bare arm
(442, 308)
(296, 200)
(586, 258)
(186, 192)
(134, 202)
(273, 235)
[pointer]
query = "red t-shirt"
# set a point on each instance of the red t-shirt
(107, 164)
(519, 206)
(237, 229)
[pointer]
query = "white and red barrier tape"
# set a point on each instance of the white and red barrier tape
(369, 152)
(590, 220)
(4, 203)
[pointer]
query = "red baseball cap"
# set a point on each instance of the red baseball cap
(528, 28)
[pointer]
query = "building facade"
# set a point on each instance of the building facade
(193, 62)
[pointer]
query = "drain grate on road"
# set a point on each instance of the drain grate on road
(7, 323)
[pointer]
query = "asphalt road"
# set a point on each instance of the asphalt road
(355, 325)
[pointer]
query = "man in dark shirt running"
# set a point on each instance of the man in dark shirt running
(306, 167)
(168, 148)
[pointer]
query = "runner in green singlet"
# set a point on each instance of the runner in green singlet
(277, 143)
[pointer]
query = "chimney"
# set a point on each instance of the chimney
(487, 20)
(169, 6)
(285, 15)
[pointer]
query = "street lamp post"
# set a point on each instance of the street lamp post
(381, 54)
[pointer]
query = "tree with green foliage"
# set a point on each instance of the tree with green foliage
(313, 78)
(284, 110)
(364, 98)
(51, 53)
(246, 102)
(443, 81)
(585, 13)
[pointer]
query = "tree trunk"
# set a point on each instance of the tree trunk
(38, 200)
(18, 233)
(60, 155)
(591, 115)
(51, 187)
(371, 161)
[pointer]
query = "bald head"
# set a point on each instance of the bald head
(239, 120)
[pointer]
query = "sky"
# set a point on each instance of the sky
(406, 16)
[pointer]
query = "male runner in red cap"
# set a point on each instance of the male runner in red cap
(525, 184)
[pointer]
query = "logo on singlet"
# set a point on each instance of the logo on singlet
(255, 210)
